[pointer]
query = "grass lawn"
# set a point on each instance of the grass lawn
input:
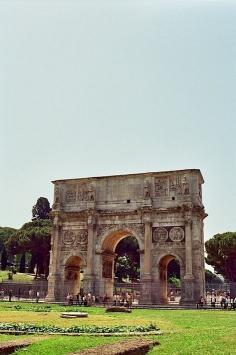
(16, 277)
(185, 332)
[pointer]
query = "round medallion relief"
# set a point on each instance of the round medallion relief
(68, 237)
(177, 234)
(160, 234)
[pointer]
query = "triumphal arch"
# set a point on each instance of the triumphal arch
(162, 210)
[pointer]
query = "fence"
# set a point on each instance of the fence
(26, 290)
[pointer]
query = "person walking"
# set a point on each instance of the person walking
(37, 296)
(10, 295)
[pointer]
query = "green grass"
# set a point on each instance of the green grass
(63, 345)
(16, 277)
(185, 332)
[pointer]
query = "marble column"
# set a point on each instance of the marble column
(55, 291)
(188, 296)
(88, 283)
(146, 294)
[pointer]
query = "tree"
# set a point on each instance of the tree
(5, 233)
(127, 262)
(4, 259)
(41, 209)
(22, 263)
(33, 237)
(173, 269)
(221, 254)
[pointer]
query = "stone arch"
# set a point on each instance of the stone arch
(112, 237)
(162, 263)
(72, 254)
(108, 245)
(73, 264)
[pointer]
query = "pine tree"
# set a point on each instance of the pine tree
(4, 259)
(22, 264)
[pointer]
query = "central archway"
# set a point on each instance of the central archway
(109, 255)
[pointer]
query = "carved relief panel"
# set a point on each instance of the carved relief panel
(86, 193)
(179, 185)
(75, 239)
(70, 194)
(161, 187)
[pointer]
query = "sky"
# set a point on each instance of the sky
(103, 87)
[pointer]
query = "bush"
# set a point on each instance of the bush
(36, 328)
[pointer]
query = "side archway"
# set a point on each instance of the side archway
(72, 275)
(163, 263)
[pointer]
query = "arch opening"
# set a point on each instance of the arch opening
(73, 270)
(170, 279)
(120, 263)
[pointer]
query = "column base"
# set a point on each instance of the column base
(146, 290)
(88, 284)
(188, 296)
(55, 289)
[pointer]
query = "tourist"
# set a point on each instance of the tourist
(213, 300)
(85, 300)
(69, 299)
(37, 296)
(2, 294)
(31, 292)
(234, 303)
(200, 302)
(10, 295)
(223, 302)
(19, 292)
(78, 299)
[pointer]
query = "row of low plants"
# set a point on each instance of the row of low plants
(33, 328)
(35, 307)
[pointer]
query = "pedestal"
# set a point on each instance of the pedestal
(88, 284)
(188, 297)
(55, 289)
(146, 290)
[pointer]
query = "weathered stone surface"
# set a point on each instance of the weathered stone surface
(163, 210)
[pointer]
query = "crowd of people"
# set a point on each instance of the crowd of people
(218, 299)
(88, 299)
(30, 294)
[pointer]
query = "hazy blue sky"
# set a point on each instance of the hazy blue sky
(98, 87)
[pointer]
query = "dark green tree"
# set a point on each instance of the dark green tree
(128, 259)
(173, 269)
(221, 254)
(33, 237)
(41, 209)
(5, 233)
(22, 263)
(4, 259)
